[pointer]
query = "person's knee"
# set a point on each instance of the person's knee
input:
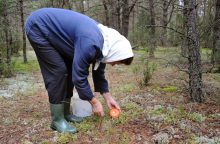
(61, 71)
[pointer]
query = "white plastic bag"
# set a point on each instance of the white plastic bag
(80, 107)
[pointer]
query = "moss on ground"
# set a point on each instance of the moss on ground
(21, 67)
(170, 89)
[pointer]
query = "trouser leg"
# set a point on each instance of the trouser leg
(69, 92)
(53, 67)
(55, 75)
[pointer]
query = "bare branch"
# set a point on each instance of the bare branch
(132, 6)
(182, 34)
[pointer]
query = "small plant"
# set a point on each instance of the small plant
(174, 115)
(157, 111)
(196, 117)
(143, 70)
(147, 72)
(124, 138)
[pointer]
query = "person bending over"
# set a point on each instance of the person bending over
(66, 43)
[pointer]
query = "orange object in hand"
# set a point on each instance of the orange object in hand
(114, 113)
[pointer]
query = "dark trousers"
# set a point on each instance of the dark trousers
(55, 68)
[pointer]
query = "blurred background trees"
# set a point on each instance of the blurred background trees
(187, 25)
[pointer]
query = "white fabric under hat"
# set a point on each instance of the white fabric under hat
(116, 47)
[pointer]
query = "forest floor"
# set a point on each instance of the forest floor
(157, 113)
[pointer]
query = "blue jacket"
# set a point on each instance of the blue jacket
(78, 38)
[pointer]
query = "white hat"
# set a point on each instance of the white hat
(116, 47)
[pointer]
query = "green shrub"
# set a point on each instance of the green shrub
(6, 70)
(147, 73)
(144, 73)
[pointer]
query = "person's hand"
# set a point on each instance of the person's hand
(97, 107)
(111, 102)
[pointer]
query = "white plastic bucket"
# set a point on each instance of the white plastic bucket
(80, 107)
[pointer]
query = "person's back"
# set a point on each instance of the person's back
(63, 27)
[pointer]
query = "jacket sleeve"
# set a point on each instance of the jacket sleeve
(100, 83)
(84, 55)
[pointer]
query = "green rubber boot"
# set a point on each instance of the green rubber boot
(67, 114)
(58, 121)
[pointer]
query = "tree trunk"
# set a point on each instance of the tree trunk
(23, 31)
(216, 34)
(184, 49)
(152, 44)
(114, 9)
(106, 11)
(81, 5)
(52, 3)
(204, 7)
(69, 4)
(194, 58)
(168, 9)
(164, 23)
(133, 26)
(6, 33)
(6, 30)
(126, 11)
(125, 18)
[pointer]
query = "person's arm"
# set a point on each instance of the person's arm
(97, 107)
(84, 55)
(101, 85)
(111, 101)
(99, 80)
